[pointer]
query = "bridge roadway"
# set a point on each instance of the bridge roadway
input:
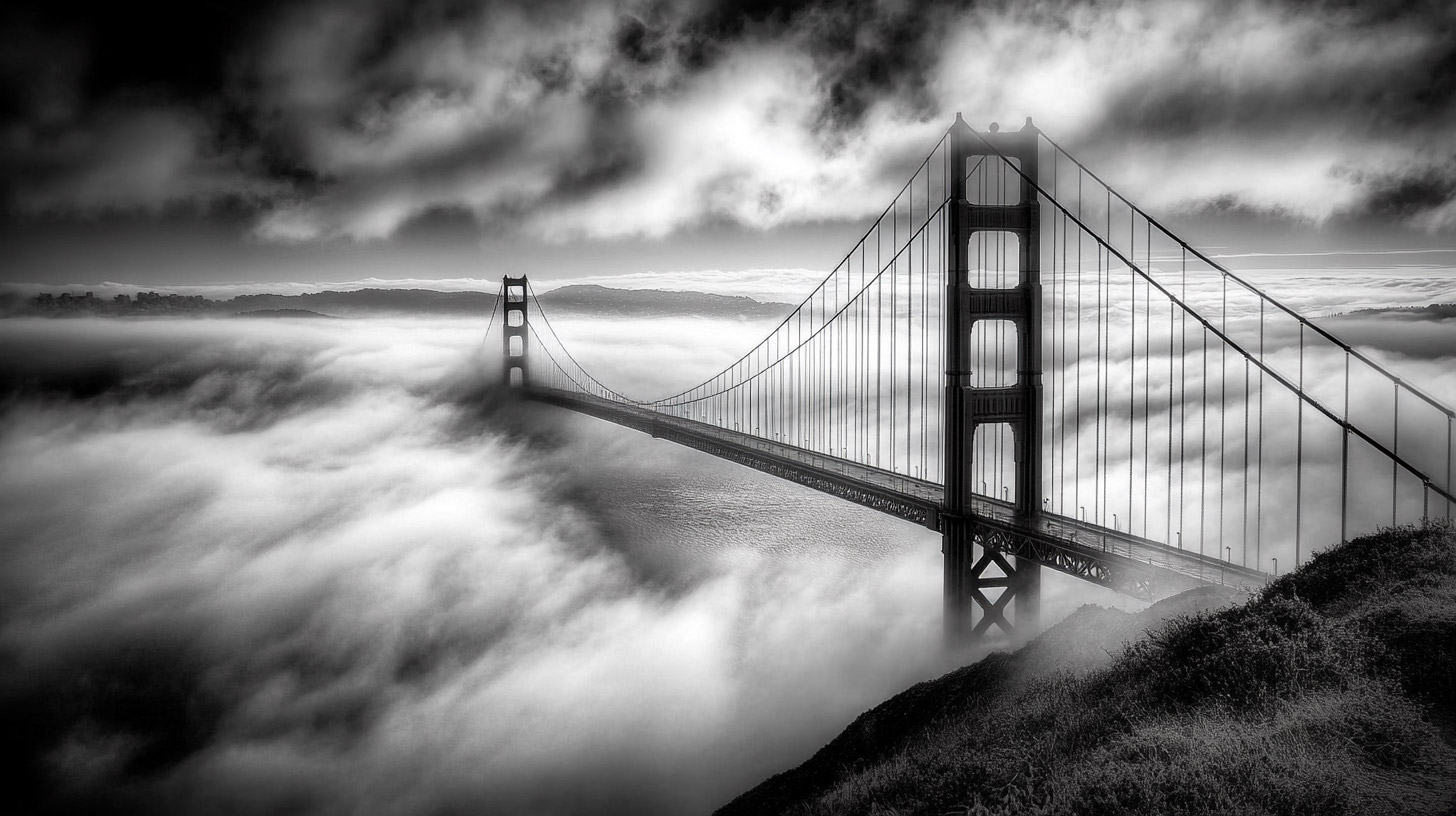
(1130, 564)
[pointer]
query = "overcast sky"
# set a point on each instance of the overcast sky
(329, 140)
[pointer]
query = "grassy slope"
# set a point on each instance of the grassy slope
(1333, 691)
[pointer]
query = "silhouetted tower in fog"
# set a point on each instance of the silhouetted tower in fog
(513, 338)
(970, 566)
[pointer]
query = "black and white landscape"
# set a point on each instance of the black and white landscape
(274, 538)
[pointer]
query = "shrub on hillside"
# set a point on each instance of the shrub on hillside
(1388, 562)
(1418, 631)
(1244, 657)
(1398, 587)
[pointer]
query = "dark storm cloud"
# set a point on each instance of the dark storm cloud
(1349, 70)
(108, 106)
(1359, 97)
(133, 157)
(639, 117)
(176, 48)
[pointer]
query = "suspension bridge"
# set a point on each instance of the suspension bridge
(1019, 357)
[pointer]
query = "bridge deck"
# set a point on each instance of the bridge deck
(1130, 564)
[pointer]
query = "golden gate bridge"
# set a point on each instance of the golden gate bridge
(1019, 357)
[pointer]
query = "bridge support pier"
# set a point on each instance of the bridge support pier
(987, 588)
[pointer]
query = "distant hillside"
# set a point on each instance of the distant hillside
(1426, 332)
(1331, 692)
(282, 313)
(582, 299)
(592, 299)
(372, 302)
(579, 299)
(1434, 311)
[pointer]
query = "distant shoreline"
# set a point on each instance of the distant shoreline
(285, 313)
(579, 299)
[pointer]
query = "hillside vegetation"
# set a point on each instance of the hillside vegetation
(1332, 691)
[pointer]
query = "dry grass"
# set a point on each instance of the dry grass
(1329, 693)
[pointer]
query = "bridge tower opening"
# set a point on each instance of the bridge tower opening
(985, 586)
(514, 371)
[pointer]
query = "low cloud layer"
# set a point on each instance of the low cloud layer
(322, 568)
(571, 119)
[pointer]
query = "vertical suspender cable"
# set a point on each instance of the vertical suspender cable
(1345, 460)
(1395, 447)
(1299, 454)
(1259, 453)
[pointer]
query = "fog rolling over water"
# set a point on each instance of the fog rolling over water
(324, 566)
(321, 567)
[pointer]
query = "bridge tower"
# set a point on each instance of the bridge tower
(514, 372)
(971, 566)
